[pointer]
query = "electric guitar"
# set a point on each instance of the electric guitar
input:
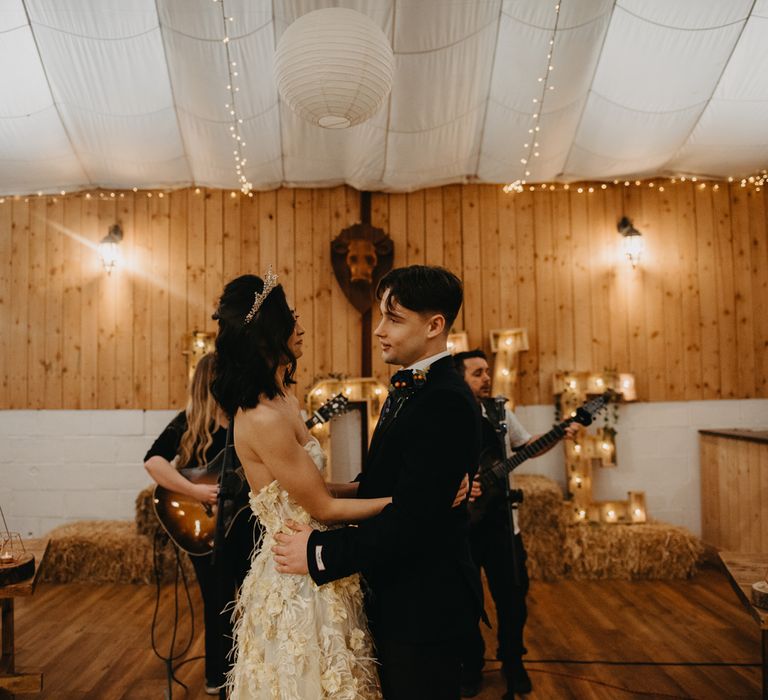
(493, 471)
(192, 524)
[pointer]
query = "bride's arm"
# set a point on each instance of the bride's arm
(346, 490)
(271, 437)
(349, 490)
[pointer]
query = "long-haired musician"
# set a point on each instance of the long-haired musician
(194, 438)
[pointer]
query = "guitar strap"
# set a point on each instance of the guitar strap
(495, 419)
(496, 416)
(225, 510)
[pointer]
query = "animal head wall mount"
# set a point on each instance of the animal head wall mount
(361, 255)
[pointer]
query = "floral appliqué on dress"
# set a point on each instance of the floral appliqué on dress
(295, 640)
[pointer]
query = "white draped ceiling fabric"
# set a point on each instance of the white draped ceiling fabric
(132, 93)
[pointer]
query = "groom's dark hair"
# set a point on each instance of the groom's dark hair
(425, 289)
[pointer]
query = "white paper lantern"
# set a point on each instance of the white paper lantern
(334, 67)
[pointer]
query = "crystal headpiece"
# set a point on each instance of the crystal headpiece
(270, 282)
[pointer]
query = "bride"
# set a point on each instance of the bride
(293, 639)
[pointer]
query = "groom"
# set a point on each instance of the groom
(424, 594)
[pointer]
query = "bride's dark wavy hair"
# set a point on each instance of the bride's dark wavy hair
(248, 354)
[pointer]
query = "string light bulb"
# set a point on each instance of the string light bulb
(516, 185)
(231, 105)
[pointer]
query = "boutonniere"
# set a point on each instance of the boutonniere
(403, 384)
(420, 377)
(407, 381)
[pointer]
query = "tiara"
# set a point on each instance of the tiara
(270, 282)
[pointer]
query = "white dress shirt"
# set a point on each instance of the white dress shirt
(427, 361)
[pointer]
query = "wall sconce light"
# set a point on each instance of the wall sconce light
(109, 251)
(633, 240)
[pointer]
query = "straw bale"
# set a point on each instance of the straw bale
(106, 551)
(558, 549)
(651, 550)
(543, 523)
(146, 519)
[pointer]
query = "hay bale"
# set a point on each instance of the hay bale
(146, 519)
(543, 523)
(106, 551)
(644, 551)
(558, 549)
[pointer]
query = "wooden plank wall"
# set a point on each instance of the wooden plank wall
(734, 486)
(690, 322)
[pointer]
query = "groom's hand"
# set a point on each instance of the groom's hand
(461, 494)
(290, 552)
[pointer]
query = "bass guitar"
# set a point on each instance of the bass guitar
(493, 471)
(192, 524)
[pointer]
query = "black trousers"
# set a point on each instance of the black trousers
(491, 551)
(419, 672)
(219, 582)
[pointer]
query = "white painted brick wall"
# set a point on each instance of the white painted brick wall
(60, 466)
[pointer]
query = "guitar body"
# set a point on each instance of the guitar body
(188, 522)
(192, 524)
(493, 492)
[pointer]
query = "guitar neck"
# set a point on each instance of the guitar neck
(583, 415)
(313, 421)
(501, 469)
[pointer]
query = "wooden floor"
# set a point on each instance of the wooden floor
(92, 641)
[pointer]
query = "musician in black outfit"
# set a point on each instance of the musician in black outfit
(492, 550)
(196, 436)
(424, 594)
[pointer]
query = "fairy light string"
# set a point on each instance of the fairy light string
(756, 182)
(532, 148)
(232, 88)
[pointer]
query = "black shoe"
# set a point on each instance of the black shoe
(471, 686)
(518, 680)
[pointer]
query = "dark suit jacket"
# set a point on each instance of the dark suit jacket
(414, 555)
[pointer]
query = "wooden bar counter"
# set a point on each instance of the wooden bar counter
(734, 489)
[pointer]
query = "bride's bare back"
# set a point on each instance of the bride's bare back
(281, 414)
(269, 440)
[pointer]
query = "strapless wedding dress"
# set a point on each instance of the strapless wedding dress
(295, 640)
